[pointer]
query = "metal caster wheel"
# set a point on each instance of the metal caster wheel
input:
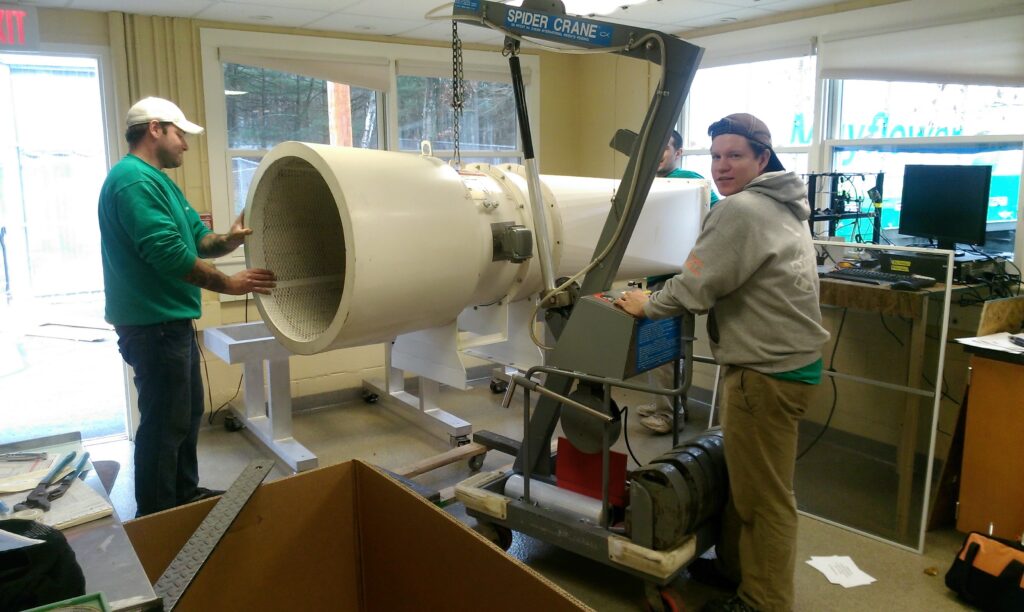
(233, 424)
(498, 386)
(477, 461)
(499, 535)
(663, 599)
(370, 397)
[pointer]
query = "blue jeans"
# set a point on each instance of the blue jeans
(165, 358)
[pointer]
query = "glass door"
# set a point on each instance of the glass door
(59, 366)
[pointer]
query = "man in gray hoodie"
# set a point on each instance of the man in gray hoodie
(753, 271)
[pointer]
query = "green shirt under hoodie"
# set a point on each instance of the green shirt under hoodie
(149, 237)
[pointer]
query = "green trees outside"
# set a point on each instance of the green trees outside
(267, 106)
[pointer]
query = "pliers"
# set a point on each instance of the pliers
(51, 487)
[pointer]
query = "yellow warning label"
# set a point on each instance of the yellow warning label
(899, 265)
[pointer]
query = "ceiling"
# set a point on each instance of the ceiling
(405, 18)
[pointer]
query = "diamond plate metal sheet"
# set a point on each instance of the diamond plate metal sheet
(193, 555)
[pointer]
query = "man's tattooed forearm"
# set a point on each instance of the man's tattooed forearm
(201, 277)
(214, 245)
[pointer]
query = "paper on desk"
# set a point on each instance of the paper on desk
(9, 469)
(840, 570)
(79, 504)
(995, 342)
(28, 480)
(12, 541)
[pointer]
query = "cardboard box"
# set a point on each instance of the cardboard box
(343, 537)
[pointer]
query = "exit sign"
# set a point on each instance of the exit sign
(19, 28)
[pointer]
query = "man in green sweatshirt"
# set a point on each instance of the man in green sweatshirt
(753, 271)
(152, 247)
(672, 157)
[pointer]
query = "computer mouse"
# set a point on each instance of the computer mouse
(903, 286)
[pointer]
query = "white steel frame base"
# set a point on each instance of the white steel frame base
(267, 413)
(423, 410)
(270, 421)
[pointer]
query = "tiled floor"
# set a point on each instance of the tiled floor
(368, 432)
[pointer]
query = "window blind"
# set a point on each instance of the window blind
(980, 52)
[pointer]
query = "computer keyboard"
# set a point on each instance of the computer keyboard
(876, 277)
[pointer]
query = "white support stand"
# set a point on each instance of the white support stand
(266, 375)
(424, 410)
(515, 352)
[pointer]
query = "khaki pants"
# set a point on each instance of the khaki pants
(664, 377)
(760, 415)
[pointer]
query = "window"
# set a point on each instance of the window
(888, 109)
(487, 129)
(885, 125)
(266, 107)
(780, 92)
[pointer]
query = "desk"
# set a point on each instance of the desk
(914, 306)
(101, 546)
(991, 485)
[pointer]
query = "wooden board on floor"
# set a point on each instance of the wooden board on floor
(446, 458)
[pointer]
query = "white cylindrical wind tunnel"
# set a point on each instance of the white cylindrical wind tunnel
(368, 245)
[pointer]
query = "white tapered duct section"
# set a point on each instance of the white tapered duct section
(368, 245)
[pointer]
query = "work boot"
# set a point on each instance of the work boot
(661, 422)
(706, 571)
(204, 493)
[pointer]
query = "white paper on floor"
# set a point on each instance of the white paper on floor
(840, 570)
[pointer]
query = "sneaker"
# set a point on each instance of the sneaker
(706, 571)
(732, 604)
(661, 423)
(204, 493)
(646, 410)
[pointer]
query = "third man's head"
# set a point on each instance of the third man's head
(671, 155)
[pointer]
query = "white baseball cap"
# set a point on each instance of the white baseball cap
(164, 111)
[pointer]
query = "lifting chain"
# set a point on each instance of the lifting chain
(458, 91)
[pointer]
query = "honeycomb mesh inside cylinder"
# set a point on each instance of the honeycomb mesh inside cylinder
(303, 244)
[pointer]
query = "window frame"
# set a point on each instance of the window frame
(259, 153)
(212, 40)
(494, 74)
(833, 118)
(826, 124)
(811, 150)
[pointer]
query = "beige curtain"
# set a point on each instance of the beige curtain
(159, 56)
(982, 52)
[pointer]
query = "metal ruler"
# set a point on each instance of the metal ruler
(193, 555)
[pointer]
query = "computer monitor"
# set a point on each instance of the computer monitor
(948, 204)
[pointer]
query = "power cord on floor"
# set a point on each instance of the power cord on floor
(209, 392)
(945, 386)
(625, 434)
(835, 390)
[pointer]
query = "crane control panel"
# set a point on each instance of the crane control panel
(607, 341)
